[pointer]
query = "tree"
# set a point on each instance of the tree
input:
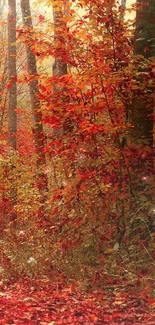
(36, 107)
(3, 67)
(12, 99)
(59, 66)
(2, 4)
(123, 6)
(144, 47)
(12, 103)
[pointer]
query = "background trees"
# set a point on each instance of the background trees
(38, 131)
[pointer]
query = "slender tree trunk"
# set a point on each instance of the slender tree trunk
(12, 104)
(123, 3)
(59, 67)
(36, 109)
(2, 4)
(123, 7)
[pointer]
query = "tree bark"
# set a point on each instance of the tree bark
(2, 4)
(59, 67)
(12, 105)
(12, 93)
(36, 108)
(143, 105)
(123, 7)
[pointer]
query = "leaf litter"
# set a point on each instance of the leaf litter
(46, 303)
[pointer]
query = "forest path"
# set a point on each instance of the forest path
(43, 303)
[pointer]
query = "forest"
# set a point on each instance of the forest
(77, 139)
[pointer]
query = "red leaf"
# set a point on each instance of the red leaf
(41, 18)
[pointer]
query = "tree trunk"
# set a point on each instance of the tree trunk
(36, 109)
(142, 112)
(12, 105)
(123, 7)
(12, 93)
(59, 67)
(2, 5)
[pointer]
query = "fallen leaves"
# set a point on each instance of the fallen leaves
(45, 303)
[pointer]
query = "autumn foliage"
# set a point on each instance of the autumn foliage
(98, 214)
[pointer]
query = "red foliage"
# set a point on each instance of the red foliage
(57, 304)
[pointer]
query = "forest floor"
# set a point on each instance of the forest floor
(43, 302)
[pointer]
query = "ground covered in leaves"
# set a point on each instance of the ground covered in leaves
(42, 302)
